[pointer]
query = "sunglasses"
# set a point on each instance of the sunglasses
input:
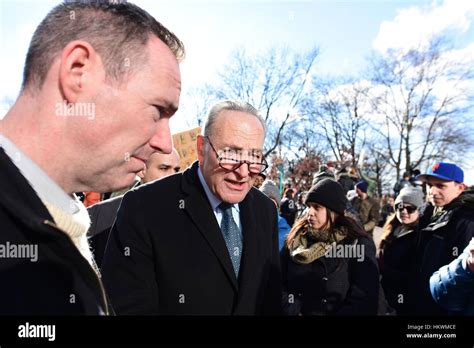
(410, 209)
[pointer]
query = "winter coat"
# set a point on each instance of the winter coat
(452, 287)
(60, 281)
(347, 182)
(396, 261)
(369, 212)
(288, 210)
(332, 285)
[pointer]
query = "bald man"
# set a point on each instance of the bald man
(160, 165)
(103, 214)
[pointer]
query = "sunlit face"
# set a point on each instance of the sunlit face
(160, 165)
(317, 215)
(235, 132)
(441, 192)
(406, 213)
(131, 121)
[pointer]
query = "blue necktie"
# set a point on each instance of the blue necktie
(232, 236)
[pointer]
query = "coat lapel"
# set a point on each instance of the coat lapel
(197, 206)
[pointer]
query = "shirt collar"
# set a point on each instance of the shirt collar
(210, 196)
(44, 186)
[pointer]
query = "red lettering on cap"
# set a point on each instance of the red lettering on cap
(435, 167)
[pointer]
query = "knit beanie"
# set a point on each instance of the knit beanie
(362, 185)
(410, 195)
(328, 193)
(270, 189)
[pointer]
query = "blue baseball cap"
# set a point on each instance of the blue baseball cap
(444, 171)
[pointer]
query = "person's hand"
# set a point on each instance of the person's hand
(470, 259)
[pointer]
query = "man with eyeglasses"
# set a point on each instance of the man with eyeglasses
(445, 229)
(203, 242)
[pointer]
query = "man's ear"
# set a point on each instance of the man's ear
(80, 68)
(200, 147)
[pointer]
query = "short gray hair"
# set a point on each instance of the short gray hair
(270, 189)
(230, 105)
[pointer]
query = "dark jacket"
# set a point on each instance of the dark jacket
(331, 286)
(396, 262)
(166, 253)
(385, 211)
(288, 210)
(439, 241)
(61, 281)
(347, 182)
(102, 216)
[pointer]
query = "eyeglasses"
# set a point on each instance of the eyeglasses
(410, 209)
(229, 163)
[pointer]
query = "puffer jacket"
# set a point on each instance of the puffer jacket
(452, 287)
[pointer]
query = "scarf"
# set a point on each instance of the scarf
(310, 244)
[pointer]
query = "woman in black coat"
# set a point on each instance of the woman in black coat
(328, 262)
(397, 249)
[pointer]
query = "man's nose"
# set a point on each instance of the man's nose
(243, 170)
(161, 139)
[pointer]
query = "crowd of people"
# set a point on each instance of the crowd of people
(428, 225)
(217, 238)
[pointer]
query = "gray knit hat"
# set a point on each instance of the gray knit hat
(410, 195)
(270, 189)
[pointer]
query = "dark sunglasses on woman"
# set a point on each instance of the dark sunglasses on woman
(409, 208)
